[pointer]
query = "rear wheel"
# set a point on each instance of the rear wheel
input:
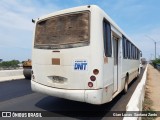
(138, 73)
(126, 85)
(27, 73)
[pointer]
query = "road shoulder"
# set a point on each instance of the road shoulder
(153, 87)
(3, 79)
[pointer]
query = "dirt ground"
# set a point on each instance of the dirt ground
(153, 88)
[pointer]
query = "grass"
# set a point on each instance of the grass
(147, 104)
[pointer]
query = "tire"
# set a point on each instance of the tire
(126, 85)
(138, 75)
(27, 73)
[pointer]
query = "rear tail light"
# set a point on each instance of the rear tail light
(90, 84)
(95, 71)
(92, 78)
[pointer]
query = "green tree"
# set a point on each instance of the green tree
(156, 61)
(9, 64)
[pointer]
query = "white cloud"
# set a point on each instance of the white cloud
(18, 15)
(17, 21)
(13, 15)
(16, 28)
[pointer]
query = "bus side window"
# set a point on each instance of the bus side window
(124, 47)
(107, 38)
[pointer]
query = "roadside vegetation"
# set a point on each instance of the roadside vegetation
(156, 62)
(148, 103)
(13, 64)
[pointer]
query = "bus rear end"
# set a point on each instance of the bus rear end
(62, 58)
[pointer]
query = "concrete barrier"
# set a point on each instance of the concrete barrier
(136, 101)
(7, 75)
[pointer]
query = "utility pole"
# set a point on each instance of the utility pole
(155, 42)
(155, 50)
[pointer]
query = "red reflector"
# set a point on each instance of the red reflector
(90, 84)
(96, 71)
(93, 78)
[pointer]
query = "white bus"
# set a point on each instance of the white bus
(81, 54)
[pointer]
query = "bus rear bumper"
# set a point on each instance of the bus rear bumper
(88, 96)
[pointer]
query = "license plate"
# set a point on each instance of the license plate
(58, 79)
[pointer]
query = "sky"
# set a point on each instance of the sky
(140, 20)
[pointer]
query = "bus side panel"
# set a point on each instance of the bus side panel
(107, 93)
(108, 78)
(127, 65)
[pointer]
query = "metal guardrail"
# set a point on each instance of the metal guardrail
(136, 101)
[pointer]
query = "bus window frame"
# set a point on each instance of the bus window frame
(65, 46)
(107, 47)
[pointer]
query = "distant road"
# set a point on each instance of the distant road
(17, 96)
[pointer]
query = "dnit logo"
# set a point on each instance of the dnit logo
(6, 114)
(80, 65)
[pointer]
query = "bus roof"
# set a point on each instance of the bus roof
(87, 7)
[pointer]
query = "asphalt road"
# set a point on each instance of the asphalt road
(17, 96)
